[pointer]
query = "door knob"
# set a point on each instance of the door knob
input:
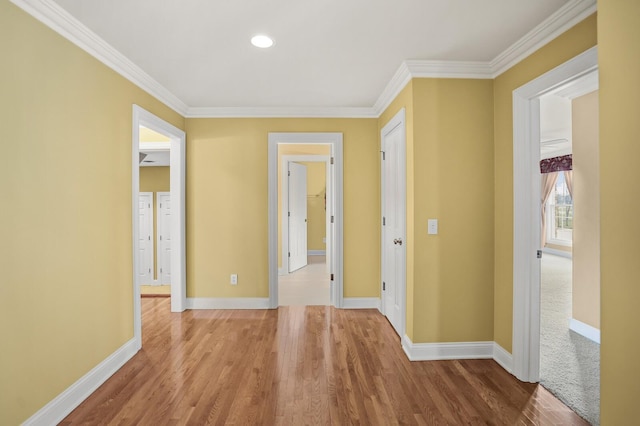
(397, 241)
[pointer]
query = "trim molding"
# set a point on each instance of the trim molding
(316, 252)
(361, 303)
(585, 330)
(563, 19)
(227, 303)
(58, 408)
(502, 357)
(440, 351)
(55, 17)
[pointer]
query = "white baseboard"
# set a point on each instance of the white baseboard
(440, 351)
(316, 252)
(361, 303)
(585, 330)
(228, 303)
(502, 357)
(58, 408)
(281, 272)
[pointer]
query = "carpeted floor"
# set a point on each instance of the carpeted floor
(569, 362)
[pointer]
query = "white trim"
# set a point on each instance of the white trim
(55, 17)
(63, 404)
(440, 351)
(58, 19)
(281, 112)
(361, 303)
(142, 117)
(316, 252)
(227, 303)
(396, 121)
(502, 357)
(526, 209)
(159, 263)
(585, 330)
(562, 20)
(557, 252)
(335, 140)
(284, 204)
(155, 146)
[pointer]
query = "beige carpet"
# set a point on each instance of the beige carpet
(306, 286)
(569, 362)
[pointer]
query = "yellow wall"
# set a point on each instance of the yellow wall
(449, 177)
(227, 160)
(619, 65)
(586, 204)
(66, 293)
(316, 213)
(566, 46)
(155, 179)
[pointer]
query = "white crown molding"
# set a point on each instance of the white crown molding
(58, 19)
(62, 22)
(280, 112)
(562, 20)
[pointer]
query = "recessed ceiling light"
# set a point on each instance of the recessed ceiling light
(262, 41)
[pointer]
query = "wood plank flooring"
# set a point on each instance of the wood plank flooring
(311, 365)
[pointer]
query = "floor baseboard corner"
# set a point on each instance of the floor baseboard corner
(444, 351)
(63, 404)
(361, 303)
(502, 357)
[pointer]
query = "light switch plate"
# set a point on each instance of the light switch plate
(432, 226)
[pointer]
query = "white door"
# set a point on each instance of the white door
(164, 237)
(145, 258)
(394, 216)
(297, 216)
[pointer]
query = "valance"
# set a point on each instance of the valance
(556, 164)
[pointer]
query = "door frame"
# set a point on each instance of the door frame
(398, 120)
(284, 204)
(158, 257)
(335, 141)
(526, 209)
(142, 117)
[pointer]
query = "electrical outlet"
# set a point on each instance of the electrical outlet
(234, 279)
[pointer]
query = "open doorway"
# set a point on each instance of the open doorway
(143, 119)
(155, 214)
(303, 150)
(570, 241)
(304, 232)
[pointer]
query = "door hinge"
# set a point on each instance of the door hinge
(289, 254)
(149, 237)
(149, 205)
(384, 221)
(160, 270)
(331, 277)
(384, 286)
(160, 205)
(539, 254)
(289, 173)
(331, 160)
(383, 155)
(288, 214)
(149, 270)
(332, 219)
(160, 237)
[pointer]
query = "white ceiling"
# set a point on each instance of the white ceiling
(327, 54)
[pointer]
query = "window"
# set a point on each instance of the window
(560, 214)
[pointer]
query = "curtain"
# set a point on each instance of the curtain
(548, 181)
(568, 178)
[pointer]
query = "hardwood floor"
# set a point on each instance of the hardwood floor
(302, 365)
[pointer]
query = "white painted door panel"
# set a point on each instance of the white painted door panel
(145, 258)
(297, 216)
(393, 230)
(164, 238)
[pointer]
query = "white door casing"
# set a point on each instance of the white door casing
(334, 208)
(164, 237)
(526, 209)
(393, 248)
(177, 177)
(145, 233)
